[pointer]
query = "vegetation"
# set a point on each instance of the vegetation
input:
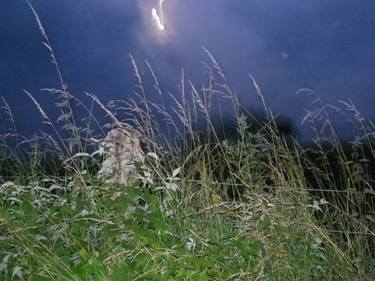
(250, 205)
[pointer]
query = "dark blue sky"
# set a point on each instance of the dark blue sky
(328, 46)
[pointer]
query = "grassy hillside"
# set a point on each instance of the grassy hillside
(248, 203)
(257, 206)
(126, 233)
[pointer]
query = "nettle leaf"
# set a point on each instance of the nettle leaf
(14, 200)
(4, 264)
(6, 185)
(39, 237)
(17, 272)
(190, 244)
(55, 187)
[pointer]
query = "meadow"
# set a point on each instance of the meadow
(209, 203)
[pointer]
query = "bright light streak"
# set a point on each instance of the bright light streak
(158, 20)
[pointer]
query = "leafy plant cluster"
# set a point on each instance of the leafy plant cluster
(126, 233)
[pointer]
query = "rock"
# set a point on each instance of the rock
(124, 156)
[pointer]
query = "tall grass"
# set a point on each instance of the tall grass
(249, 203)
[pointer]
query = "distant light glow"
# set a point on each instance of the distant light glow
(158, 20)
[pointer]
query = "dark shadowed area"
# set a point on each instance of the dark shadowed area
(327, 46)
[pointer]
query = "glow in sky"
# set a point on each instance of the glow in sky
(158, 20)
